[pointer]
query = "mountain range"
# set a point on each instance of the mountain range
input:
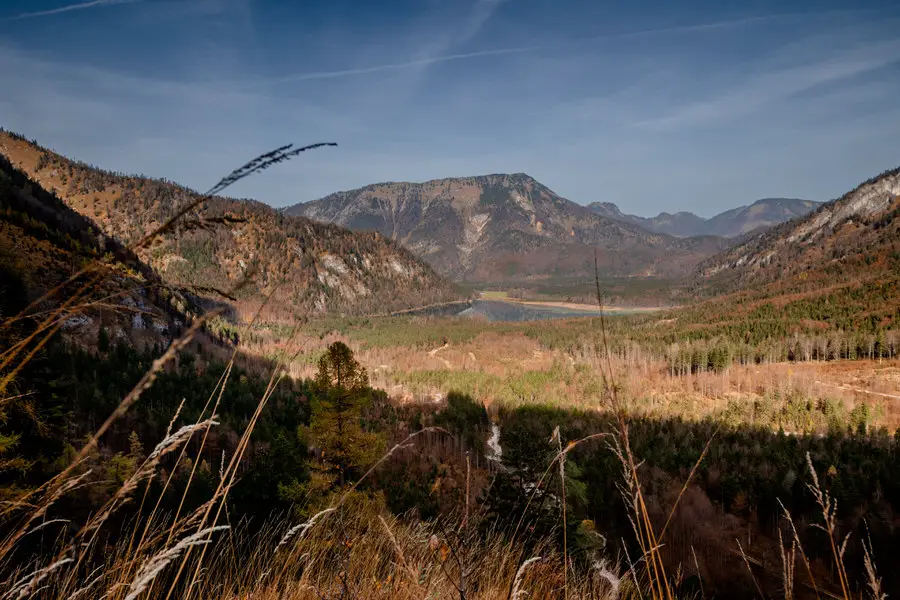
(735, 222)
(495, 229)
(239, 251)
(507, 228)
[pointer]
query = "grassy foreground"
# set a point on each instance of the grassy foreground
(349, 544)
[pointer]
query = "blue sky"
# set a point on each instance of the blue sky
(654, 105)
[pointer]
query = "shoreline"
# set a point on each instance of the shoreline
(573, 306)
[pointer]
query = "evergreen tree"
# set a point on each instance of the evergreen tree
(345, 449)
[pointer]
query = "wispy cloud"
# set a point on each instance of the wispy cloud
(71, 7)
(734, 105)
(734, 23)
(767, 87)
(401, 65)
(440, 47)
(479, 16)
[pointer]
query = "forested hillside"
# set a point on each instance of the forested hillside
(853, 238)
(305, 266)
(46, 250)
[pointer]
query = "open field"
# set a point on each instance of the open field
(511, 364)
(503, 296)
(620, 291)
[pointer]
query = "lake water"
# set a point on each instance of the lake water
(497, 310)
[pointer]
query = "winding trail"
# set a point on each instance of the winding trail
(856, 389)
(433, 354)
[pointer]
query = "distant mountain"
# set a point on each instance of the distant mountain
(506, 228)
(762, 214)
(305, 266)
(736, 222)
(681, 224)
(852, 239)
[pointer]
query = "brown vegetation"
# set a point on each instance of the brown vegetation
(304, 266)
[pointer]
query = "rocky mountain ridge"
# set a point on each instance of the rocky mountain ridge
(506, 228)
(732, 223)
(855, 237)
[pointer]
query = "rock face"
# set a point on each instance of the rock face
(760, 215)
(506, 228)
(856, 236)
(304, 265)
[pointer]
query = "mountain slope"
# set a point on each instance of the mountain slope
(505, 228)
(43, 244)
(764, 213)
(853, 238)
(305, 266)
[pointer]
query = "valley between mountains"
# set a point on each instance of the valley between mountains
(449, 300)
(750, 346)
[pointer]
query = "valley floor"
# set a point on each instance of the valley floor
(582, 307)
(503, 367)
(575, 306)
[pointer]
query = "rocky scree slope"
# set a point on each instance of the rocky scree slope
(506, 228)
(306, 266)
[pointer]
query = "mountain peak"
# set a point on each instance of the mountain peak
(503, 227)
(762, 214)
(607, 209)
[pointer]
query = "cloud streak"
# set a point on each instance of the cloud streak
(70, 8)
(772, 86)
(723, 106)
(401, 65)
(482, 12)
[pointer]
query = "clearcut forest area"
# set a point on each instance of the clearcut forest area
(464, 387)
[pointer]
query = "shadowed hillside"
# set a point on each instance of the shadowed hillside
(306, 266)
(43, 247)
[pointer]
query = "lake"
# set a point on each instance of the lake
(499, 310)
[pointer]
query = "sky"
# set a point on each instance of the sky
(699, 105)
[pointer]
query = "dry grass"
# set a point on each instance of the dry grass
(510, 368)
(361, 553)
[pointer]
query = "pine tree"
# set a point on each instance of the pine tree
(344, 447)
(135, 448)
